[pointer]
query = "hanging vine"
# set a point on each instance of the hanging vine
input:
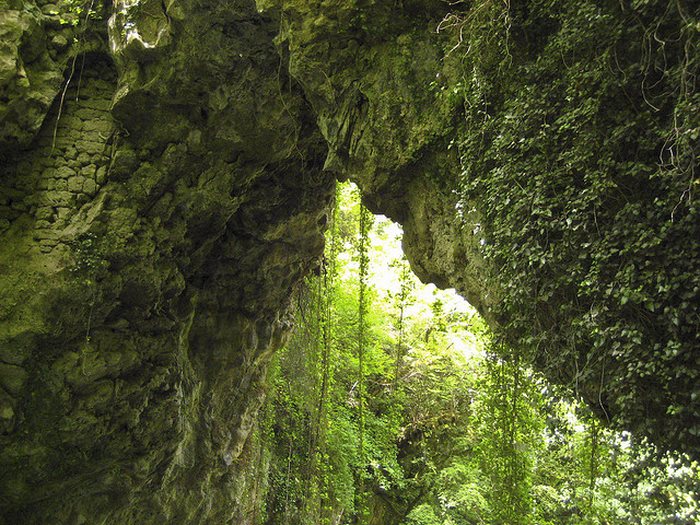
(326, 295)
(403, 301)
(593, 462)
(361, 346)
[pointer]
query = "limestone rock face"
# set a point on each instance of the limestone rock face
(32, 43)
(153, 234)
(166, 170)
(377, 76)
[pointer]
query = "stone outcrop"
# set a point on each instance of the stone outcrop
(154, 230)
(35, 44)
(165, 174)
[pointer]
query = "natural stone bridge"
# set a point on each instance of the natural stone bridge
(166, 173)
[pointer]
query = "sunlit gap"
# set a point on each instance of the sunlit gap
(387, 268)
(391, 387)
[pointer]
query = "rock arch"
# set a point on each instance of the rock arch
(138, 315)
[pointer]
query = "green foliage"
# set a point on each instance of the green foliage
(88, 258)
(511, 430)
(610, 479)
(75, 12)
(458, 432)
(423, 515)
(89, 265)
(577, 148)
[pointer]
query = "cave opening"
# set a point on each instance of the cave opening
(394, 403)
(166, 170)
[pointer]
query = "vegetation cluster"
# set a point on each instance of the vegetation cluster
(579, 149)
(392, 404)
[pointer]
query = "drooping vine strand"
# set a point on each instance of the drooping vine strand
(403, 302)
(362, 252)
(326, 335)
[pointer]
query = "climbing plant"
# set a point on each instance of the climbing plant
(583, 207)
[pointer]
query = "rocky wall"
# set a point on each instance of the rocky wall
(36, 39)
(154, 230)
